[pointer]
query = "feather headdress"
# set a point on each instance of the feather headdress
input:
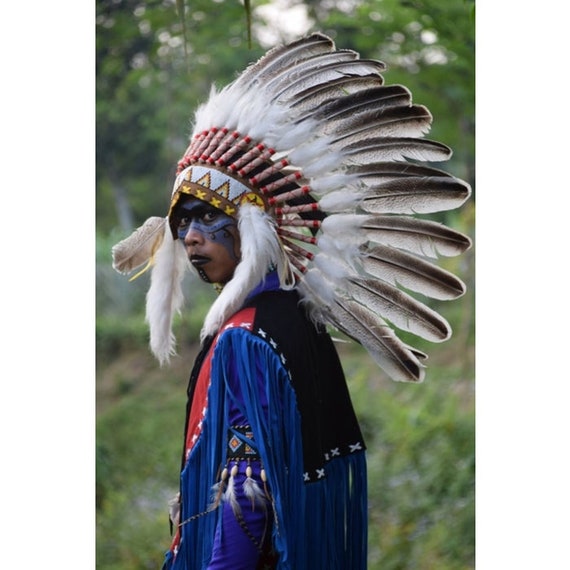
(331, 159)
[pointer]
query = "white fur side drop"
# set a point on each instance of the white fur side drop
(165, 297)
(260, 249)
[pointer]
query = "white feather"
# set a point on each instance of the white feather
(340, 200)
(323, 165)
(317, 296)
(334, 248)
(165, 297)
(309, 151)
(288, 135)
(344, 226)
(332, 267)
(332, 182)
(260, 250)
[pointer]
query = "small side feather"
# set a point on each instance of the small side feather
(137, 249)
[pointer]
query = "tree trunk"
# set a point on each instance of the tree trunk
(122, 205)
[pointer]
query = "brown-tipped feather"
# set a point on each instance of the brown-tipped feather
(423, 237)
(390, 353)
(374, 150)
(400, 268)
(283, 57)
(399, 308)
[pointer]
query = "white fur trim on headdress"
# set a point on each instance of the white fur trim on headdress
(261, 249)
(165, 297)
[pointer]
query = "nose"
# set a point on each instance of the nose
(193, 236)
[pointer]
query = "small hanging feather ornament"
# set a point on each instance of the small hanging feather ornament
(230, 495)
(174, 510)
(219, 489)
(253, 491)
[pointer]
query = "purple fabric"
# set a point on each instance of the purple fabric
(233, 548)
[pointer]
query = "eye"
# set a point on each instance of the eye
(183, 226)
(210, 216)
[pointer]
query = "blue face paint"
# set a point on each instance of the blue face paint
(209, 222)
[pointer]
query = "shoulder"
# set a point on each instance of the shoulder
(278, 309)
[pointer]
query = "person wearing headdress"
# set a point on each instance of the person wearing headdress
(297, 199)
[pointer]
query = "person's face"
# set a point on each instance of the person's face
(211, 239)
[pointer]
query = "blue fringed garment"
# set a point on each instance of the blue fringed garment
(269, 368)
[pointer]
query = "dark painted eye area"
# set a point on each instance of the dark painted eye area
(202, 217)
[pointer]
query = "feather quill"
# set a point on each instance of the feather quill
(378, 98)
(412, 121)
(317, 95)
(423, 237)
(282, 57)
(326, 73)
(298, 69)
(370, 175)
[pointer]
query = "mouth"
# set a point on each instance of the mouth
(199, 260)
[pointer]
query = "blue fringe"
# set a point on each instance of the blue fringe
(319, 525)
(277, 429)
(337, 516)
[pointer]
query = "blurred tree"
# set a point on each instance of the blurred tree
(148, 81)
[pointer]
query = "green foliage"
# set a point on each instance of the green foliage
(421, 460)
(138, 454)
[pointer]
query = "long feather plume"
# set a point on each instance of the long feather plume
(364, 325)
(415, 196)
(401, 268)
(416, 235)
(389, 352)
(374, 150)
(401, 309)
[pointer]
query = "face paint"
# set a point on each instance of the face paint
(210, 222)
(211, 238)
